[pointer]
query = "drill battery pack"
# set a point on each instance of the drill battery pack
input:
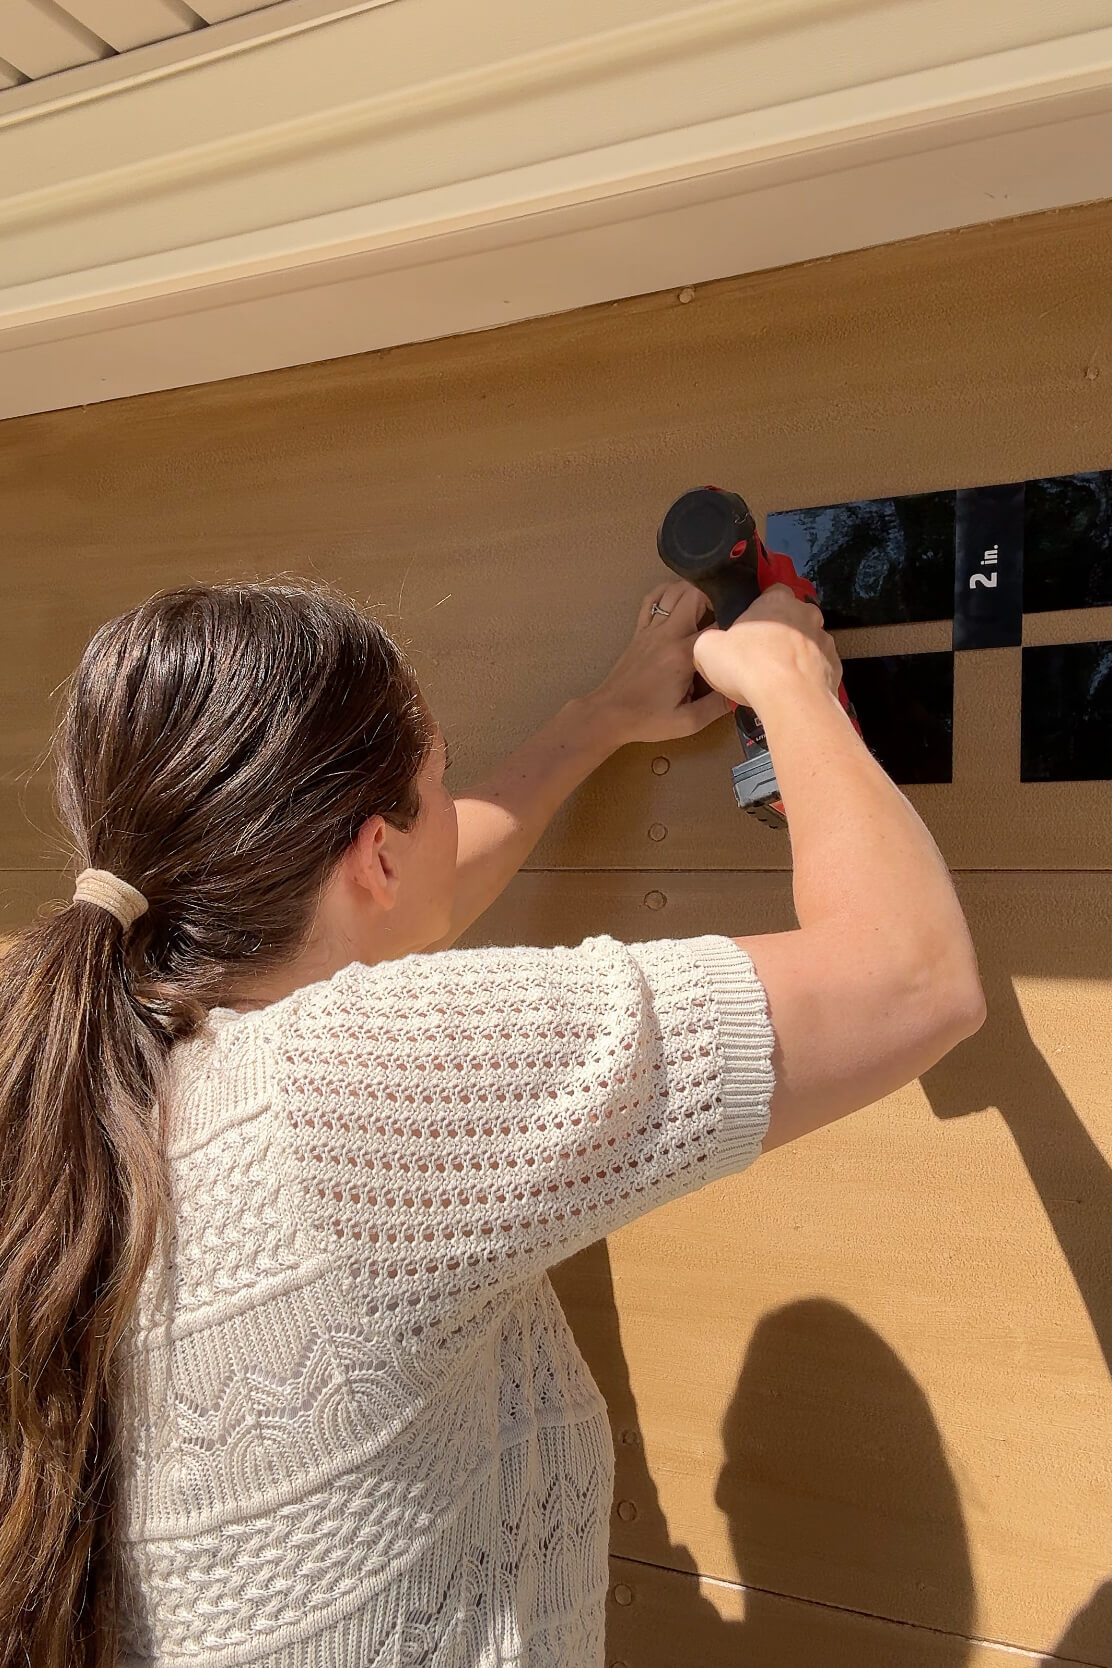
(757, 791)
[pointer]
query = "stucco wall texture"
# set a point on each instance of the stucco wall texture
(861, 1396)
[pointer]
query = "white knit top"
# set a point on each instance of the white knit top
(357, 1431)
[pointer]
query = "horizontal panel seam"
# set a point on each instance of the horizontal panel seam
(1037, 1656)
(658, 869)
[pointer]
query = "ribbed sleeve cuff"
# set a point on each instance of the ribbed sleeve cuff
(746, 1039)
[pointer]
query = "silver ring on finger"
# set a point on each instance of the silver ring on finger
(656, 609)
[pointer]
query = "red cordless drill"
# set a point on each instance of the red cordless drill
(709, 538)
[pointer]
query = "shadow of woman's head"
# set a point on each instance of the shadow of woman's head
(1089, 1637)
(836, 1485)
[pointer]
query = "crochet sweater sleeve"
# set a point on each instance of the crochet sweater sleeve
(461, 1121)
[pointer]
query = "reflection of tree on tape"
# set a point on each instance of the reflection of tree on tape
(882, 561)
(1067, 517)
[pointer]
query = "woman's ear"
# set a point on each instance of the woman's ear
(370, 863)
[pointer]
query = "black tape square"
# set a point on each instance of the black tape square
(905, 704)
(1066, 715)
(1068, 542)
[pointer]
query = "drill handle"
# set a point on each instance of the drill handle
(710, 538)
(774, 568)
(732, 592)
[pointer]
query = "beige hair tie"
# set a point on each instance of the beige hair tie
(98, 886)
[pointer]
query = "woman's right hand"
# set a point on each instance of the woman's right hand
(777, 636)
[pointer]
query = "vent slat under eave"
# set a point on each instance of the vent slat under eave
(42, 37)
(38, 38)
(127, 23)
(218, 11)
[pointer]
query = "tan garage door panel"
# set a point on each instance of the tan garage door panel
(22, 893)
(874, 1371)
(500, 493)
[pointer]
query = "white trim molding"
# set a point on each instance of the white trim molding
(391, 185)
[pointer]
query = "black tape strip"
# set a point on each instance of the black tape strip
(988, 573)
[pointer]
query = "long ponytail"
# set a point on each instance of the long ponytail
(222, 746)
(84, 1196)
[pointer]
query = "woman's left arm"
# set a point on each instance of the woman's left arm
(646, 697)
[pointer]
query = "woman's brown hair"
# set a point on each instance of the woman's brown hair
(220, 749)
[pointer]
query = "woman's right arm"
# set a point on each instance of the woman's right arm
(880, 980)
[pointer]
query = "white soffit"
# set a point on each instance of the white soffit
(40, 38)
(313, 180)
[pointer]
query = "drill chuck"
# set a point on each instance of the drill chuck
(709, 538)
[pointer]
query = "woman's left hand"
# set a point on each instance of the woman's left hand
(648, 695)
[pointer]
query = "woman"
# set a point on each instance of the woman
(285, 1379)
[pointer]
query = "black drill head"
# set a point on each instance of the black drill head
(709, 538)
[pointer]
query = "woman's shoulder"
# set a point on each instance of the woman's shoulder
(421, 983)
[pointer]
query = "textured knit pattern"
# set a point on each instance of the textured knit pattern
(358, 1432)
